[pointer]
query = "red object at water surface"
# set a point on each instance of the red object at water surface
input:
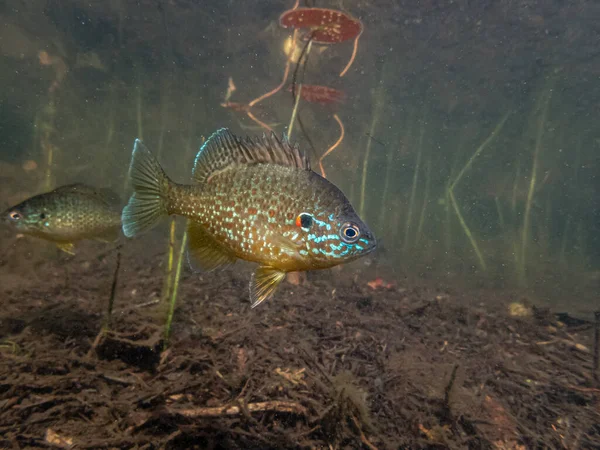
(327, 26)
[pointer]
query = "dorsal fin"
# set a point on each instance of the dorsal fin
(223, 150)
(105, 195)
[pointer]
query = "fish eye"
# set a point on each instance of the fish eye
(14, 215)
(304, 221)
(42, 216)
(349, 233)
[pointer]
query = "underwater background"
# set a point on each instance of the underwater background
(467, 139)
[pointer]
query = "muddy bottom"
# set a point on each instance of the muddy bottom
(333, 363)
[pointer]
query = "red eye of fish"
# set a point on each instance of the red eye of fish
(15, 215)
(304, 221)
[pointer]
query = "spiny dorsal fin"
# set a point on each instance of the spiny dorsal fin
(105, 195)
(223, 150)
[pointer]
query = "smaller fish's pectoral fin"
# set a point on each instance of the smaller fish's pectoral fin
(110, 235)
(67, 247)
(204, 252)
(264, 283)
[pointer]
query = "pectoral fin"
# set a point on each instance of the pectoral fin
(66, 247)
(109, 235)
(204, 252)
(264, 283)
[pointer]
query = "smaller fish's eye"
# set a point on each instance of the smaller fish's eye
(350, 233)
(14, 215)
(42, 216)
(304, 221)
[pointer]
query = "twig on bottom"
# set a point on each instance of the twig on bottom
(363, 438)
(273, 406)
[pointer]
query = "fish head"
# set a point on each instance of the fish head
(333, 233)
(28, 217)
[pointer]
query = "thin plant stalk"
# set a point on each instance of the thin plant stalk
(447, 207)
(163, 121)
(46, 140)
(110, 129)
(173, 300)
(188, 143)
(425, 202)
(138, 108)
(532, 187)
(386, 187)
(515, 190)
(334, 146)
(286, 72)
(298, 95)
(378, 106)
(458, 178)
(113, 291)
(415, 182)
(499, 212)
(170, 257)
(564, 241)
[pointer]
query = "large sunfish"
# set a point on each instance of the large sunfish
(252, 199)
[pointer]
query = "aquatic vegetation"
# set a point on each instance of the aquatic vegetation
(459, 177)
(324, 26)
(323, 95)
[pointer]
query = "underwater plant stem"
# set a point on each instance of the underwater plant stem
(377, 107)
(175, 289)
(49, 161)
(564, 240)
(354, 51)
(163, 121)
(452, 186)
(298, 95)
(515, 190)
(138, 105)
(467, 231)
(365, 166)
(413, 190)
(294, 112)
(46, 144)
(113, 291)
(286, 73)
(334, 146)
(169, 272)
(425, 202)
(386, 188)
(258, 121)
(499, 211)
(532, 186)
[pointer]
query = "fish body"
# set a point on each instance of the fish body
(256, 200)
(68, 214)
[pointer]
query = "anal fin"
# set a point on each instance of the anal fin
(264, 283)
(204, 252)
(67, 247)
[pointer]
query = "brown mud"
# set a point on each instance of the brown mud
(331, 364)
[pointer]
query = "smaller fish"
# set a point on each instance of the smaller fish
(68, 214)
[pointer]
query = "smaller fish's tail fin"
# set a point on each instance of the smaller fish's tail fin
(149, 203)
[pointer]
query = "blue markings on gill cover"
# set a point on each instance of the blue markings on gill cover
(322, 223)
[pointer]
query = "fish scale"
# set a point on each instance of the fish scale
(256, 200)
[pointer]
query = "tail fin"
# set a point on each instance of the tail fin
(148, 204)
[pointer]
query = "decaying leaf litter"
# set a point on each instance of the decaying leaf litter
(321, 366)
